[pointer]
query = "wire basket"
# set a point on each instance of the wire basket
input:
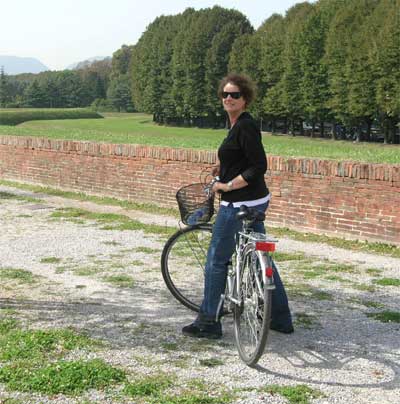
(196, 204)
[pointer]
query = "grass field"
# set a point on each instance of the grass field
(140, 129)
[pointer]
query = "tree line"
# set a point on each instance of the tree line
(333, 64)
(330, 68)
(104, 84)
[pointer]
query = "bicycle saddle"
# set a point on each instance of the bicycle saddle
(250, 214)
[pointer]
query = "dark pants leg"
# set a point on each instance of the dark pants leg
(280, 312)
(221, 248)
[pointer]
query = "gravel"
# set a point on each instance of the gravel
(345, 354)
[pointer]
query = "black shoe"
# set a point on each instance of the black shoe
(284, 330)
(211, 331)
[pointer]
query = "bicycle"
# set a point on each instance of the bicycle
(250, 274)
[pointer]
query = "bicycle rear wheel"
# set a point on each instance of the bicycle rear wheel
(182, 264)
(253, 316)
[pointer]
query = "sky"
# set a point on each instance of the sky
(62, 32)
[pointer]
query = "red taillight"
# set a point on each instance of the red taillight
(265, 246)
(269, 272)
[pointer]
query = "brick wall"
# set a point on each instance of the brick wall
(343, 198)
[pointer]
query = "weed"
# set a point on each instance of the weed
(211, 362)
(19, 275)
(373, 271)
(321, 295)
(370, 303)
(137, 263)
(87, 271)
(170, 346)
(300, 394)
(305, 320)
(147, 250)
(304, 290)
(282, 256)
(11, 401)
(386, 316)
(387, 282)
(335, 278)
(18, 344)
(61, 270)
(314, 271)
(154, 388)
(366, 303)
(117, 255)
(122, 281)
(140, 328)
(113, 243)
(9, 195)
(364, 287)
(196, 398)
(7, 325)
(148, 386)
(50, 260)
(60, 377)
(5, 311)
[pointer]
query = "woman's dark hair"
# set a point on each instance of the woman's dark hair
(243, 82)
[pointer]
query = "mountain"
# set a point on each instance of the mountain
(87, 62)
(16, 65)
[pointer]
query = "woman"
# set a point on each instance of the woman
(241, 168)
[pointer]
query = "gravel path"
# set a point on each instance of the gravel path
(337, 349)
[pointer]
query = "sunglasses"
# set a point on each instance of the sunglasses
(234, 94)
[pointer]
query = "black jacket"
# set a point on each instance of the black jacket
(242, 152)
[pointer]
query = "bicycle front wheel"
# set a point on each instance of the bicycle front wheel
(182, 264)
(252, 317)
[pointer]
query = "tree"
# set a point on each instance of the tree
(119, 93)
(71, 89)
(35, 96)
(345, 60)
(271, 35)
(361, 105)
(121, 60)
(385, 56)
(246, 58)
(292, 97)
(314, 80)
(3, 88)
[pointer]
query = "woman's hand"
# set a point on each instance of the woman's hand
(220, 187)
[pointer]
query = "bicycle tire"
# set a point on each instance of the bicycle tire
(252, 318)
(182, 264)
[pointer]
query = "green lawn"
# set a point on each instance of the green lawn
(139, 129)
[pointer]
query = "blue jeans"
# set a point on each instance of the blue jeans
(220, 251)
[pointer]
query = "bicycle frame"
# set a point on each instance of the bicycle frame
(262, 245)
